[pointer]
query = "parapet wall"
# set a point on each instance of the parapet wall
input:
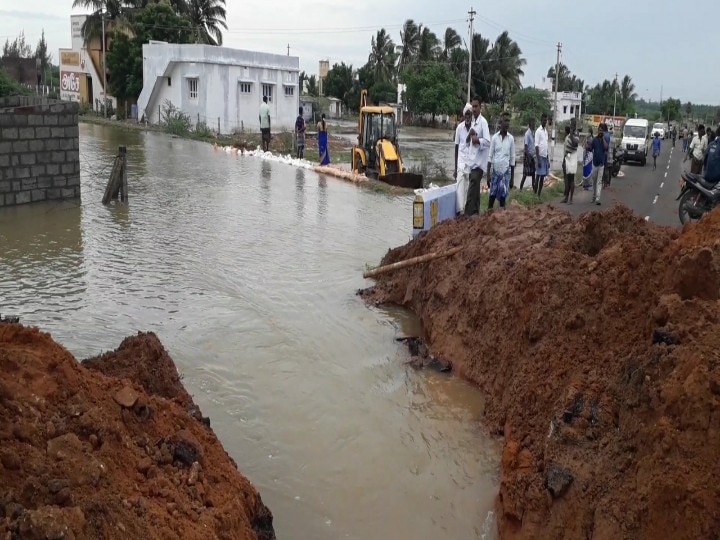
(39, 150)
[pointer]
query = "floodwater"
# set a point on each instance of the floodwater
(247, 271)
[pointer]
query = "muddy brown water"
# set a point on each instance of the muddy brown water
(247, 271)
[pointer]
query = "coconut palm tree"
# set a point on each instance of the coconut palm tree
(451, 41)
(429, 47)
(410, 44)
(115, 17)
(208, 17)
(507, 63)
(382, 56)
(627, 94)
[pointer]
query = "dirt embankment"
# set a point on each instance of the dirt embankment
(597, 343)
(112, 448)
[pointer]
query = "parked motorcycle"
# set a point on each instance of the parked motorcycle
(613, 168)
(697, 197)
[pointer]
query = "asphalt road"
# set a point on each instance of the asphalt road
(650, 193)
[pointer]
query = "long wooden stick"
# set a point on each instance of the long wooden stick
(410, 262)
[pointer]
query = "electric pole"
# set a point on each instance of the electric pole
(615, 99)
(288, 49)
(104, 68)
(555, 108)
(472, 14)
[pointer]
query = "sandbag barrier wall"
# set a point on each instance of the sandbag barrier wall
(39, 150)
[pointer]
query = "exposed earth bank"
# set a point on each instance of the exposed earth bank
(112, 448)
(597, 344)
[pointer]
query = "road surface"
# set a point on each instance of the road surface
(650, 193)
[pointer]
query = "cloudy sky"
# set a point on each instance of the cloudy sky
(637, 38)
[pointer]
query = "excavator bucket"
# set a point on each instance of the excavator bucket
(403, 180)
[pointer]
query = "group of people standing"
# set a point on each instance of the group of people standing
(298, 133)
(479, 154)
(697, 149)
(536, 161)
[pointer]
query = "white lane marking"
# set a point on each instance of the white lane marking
(662, 184)
(665, 175)
(655, 199)
(647, 218)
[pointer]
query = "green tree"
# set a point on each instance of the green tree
(339, 82)
(41, 53)
(567, 82)
(382, 92)
(10, 87)
(433, 90)
(382, 56)
(670, 109)
(17, 48)
(626, 96)
(157, 21)
(410, 45)
(207, 18)
(688, 109)
(531, 103)
(312, 86)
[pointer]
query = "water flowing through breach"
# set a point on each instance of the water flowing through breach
(246, 270)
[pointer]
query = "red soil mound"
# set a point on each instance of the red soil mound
(596, 342)
(115, 451)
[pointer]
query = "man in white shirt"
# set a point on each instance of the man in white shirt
(479, 140)
(696, 151)
(501, 163)
(462, 148)
(265, 124)
(541, 154)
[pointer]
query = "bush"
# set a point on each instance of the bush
(174, 120)
(203, 131)
(10, 87)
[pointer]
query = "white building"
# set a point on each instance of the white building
(569, 104)
(220, 86)
(81, 69)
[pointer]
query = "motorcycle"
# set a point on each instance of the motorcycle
(613, 169)
(697, 197)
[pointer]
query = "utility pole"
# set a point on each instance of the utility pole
(616, 89)
(555, 106)
(472, 14)
(102, 13)
(288, 49)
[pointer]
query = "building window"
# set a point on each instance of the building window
(564, 109)
(572, 109)
(193, 88)
(268, 91)
(289, 91)
(245, 88)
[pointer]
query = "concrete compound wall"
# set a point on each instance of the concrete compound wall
(39, 150)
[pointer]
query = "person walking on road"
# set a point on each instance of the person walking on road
(656, 145)
(528, 156)
(265, 124)
(462, 152)
(599, 147)
(541, 154)
(322, 137)
(696, 151)
(501, 162)
(479, 139)
(570, 161)
(686, 142)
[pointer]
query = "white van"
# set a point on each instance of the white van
(635, 140)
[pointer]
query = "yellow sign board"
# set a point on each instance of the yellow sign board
(69, 58)
(433, 212)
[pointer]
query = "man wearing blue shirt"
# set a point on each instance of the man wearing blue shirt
(599, 147)
(656, 149)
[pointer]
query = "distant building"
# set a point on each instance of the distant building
(220, 86)
(569, 104)
(323, 70)
(81, 68)
(335, 108)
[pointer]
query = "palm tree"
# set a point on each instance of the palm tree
(480, 66)
(627, 94)
(115, 17)
(410, 39)
(429, 48)
(507, 67)
(382, 56)
(451, 41)
(207, 17)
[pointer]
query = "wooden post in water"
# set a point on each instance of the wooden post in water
(118, 178)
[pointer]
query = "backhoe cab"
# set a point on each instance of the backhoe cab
(377, 154)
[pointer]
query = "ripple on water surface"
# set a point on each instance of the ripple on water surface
(247, 271)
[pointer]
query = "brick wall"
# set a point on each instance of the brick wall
(39, 150)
